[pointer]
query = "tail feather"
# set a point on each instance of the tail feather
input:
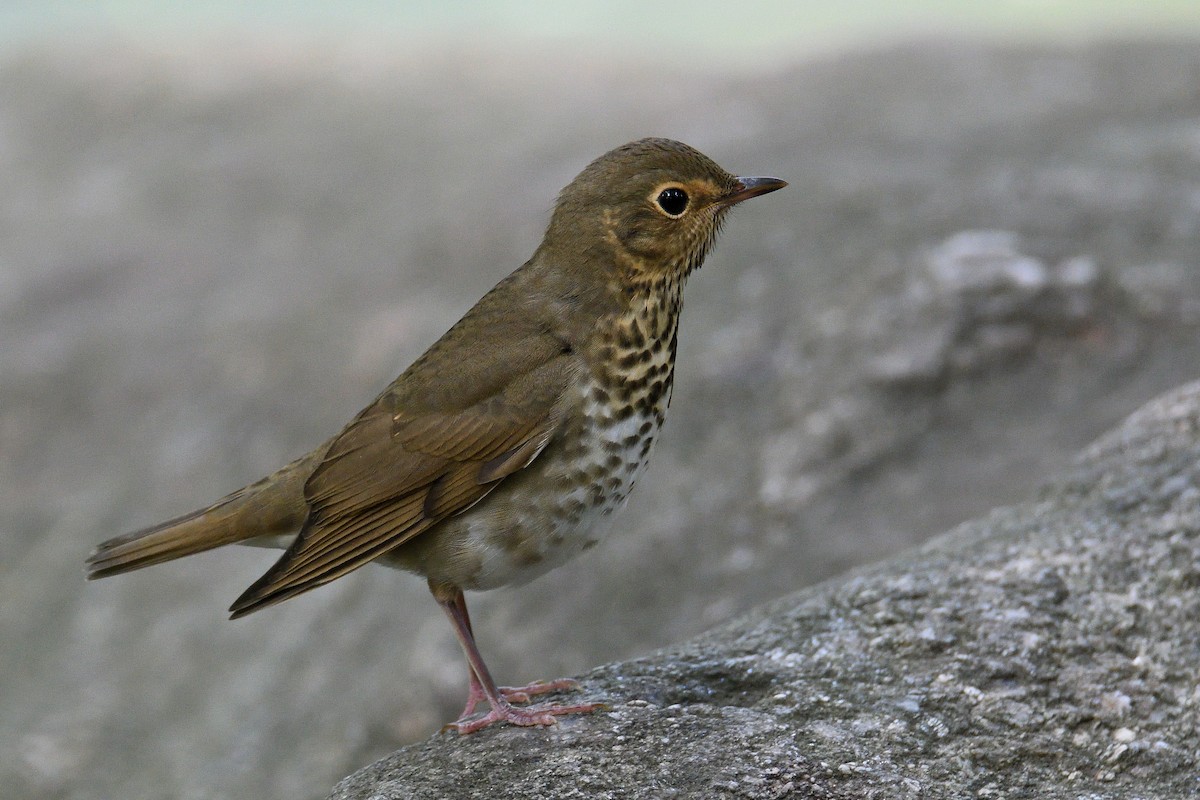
(273, 505)
(175, 538)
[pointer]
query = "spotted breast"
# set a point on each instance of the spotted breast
(563, 503)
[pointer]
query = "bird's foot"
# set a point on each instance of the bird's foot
(499, 699)
(516, 694)
(503, 711)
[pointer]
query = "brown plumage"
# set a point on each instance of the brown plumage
(504, 448)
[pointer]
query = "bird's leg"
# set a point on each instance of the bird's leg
(513, 694)
(482, 686)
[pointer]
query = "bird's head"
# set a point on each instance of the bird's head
(652, 208)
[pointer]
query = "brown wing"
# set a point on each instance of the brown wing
(393, 473)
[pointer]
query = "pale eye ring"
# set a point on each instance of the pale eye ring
(673, 201)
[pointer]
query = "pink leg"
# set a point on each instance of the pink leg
(513, 694)
(482, 687)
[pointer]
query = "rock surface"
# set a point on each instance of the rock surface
(1046, 650)
(209, 261)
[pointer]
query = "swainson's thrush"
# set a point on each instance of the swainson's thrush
(505, 448)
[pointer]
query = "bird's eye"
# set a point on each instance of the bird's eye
(673, 201)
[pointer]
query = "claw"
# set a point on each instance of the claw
(521, 694)
(503, 711)
(514, 694)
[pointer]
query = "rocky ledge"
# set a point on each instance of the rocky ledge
(1048, 649)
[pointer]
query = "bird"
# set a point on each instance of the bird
(505, 449)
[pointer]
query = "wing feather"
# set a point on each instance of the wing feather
(394, 473)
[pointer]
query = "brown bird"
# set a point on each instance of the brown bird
(504, 450)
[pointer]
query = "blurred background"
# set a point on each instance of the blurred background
(225, 227)
(703, 34)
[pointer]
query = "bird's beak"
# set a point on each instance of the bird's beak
(751, 187)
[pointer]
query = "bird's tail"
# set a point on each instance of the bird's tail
(274, 505)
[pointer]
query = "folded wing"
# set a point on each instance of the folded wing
(395, 471)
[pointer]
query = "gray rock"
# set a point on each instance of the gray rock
(981, 301)
(1046, 650)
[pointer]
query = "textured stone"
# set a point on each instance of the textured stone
(1046, 650)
